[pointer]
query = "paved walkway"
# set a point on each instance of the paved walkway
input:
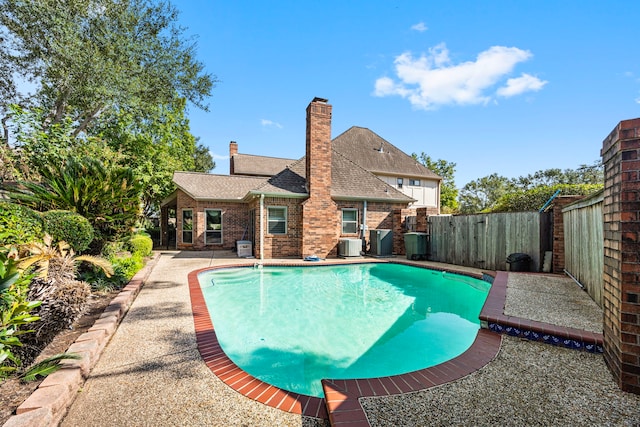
(151, 374)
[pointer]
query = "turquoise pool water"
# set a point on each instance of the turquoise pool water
(293, 326)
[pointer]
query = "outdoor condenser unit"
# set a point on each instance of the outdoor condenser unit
(381, 242)
(349, 247)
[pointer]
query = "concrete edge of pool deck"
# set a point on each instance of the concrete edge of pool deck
(341, 403)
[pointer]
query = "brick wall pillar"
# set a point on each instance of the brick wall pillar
(558, 231)
(621, 296)
(421, 220)
(399, 228)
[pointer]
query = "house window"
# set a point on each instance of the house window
(349, 221)
(415, 182)
(399, 182)
(213, 227)
(277, 220)
(187, 226)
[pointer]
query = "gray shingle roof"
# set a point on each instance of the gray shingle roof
(356, 153)
(247, 164)
(204, 186)
(362, 146)
(348, 181)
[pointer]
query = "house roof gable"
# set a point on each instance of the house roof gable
(205, 186)
(348, 181)
(250, 165)
(373, 153)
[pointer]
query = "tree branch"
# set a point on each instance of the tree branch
(88, 118)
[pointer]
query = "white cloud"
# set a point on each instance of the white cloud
(522, 84)
(432, 80)
(269, 123)
(420, 27)
(215, 156)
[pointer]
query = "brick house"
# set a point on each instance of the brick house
(297, 208)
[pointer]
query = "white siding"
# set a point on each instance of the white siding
(426, 194)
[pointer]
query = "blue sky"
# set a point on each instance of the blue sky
(507, 87)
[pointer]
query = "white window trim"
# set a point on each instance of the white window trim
(286, 220)
(356, 220)
(415, 182)
(206, 230)
(183, 230)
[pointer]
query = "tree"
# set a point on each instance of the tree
(91, 59)
(584, 174)
(202, 160)
(154, 147)
(534, 199)
(481, 194)
(448, 190)
(496, 193)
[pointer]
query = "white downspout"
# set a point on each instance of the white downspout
(261, 227)
(364, 225)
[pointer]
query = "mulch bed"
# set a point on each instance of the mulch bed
(13, 391)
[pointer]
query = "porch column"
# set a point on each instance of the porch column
(164, 227)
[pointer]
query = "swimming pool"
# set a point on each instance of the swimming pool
(293, 326)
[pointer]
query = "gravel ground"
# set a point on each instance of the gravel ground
(529, 383)
(554, 299)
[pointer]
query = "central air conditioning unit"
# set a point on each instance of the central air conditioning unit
(381, 242)
(349, 247)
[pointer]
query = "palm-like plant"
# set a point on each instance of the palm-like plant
(59, 261)
(63, 297)
(109, 197)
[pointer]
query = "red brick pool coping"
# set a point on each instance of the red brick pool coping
(341, 404)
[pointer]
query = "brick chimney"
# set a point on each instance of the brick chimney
(233, 150)
(320, 226)
(318, 148)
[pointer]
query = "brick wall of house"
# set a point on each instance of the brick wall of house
(558, 231)
(621, 296)
(320, 216)
(235, 222)
(380, 216)
(279, 246)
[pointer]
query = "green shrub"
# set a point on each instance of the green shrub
(19, 224)
(110, 250)
(70, 227)
(124, 268)
(141, 244)
(128, 266)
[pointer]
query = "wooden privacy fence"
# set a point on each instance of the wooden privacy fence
(584, 243)
(486, 240)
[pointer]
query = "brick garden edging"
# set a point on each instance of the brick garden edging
(48, 404)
